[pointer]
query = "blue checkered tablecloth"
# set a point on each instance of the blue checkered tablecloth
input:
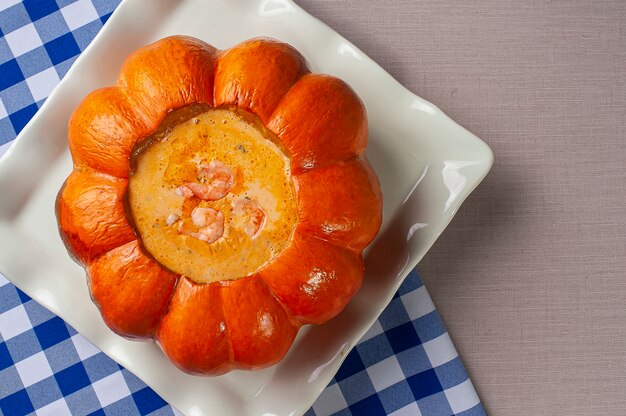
(405, 365)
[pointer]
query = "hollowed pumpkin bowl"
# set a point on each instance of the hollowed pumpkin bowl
(219, 200)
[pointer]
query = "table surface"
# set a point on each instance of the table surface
(530, 275)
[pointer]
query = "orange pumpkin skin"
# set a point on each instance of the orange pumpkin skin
(131, 290)
(168, 74)
(102, 136)
(333, 215)
(314, 279)
(91, 215)
(251, 322)
(249, 307)
(320, 121)
(277, 67)
(193, 332)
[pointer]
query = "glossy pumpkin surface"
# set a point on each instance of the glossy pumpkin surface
(251, 321)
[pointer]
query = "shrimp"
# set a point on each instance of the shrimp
(215, 181)
(252, 214)
(208, 222)
(184, 191)
(171, 219)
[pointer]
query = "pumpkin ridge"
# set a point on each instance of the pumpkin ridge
(294, 321)
(229, 341)
(266, 53)
(361, 224)
(320, 120)
(74, 222)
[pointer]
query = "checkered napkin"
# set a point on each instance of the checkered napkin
(405, 364)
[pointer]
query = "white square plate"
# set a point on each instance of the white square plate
(427, 166)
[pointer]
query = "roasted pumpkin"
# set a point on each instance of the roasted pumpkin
(219, 200)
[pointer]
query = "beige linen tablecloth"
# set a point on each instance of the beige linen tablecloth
(530, 277)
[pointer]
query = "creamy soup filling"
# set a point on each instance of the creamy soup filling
(210, 193)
